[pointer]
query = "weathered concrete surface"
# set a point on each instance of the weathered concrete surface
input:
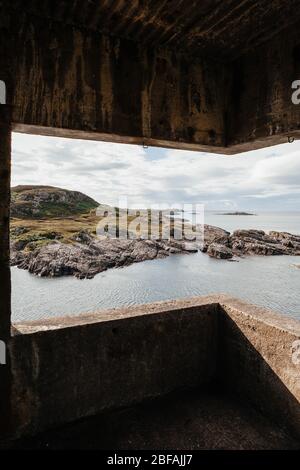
(84, 81)
(256, 361)
(68, 79)
(74, 372)
(200, 27)
(185, 420)
(215, 93)
(5, 169)
(260, 108)
(154, 308)
(5, 283)
(78, 367)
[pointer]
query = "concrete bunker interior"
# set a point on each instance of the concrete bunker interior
(219, 356)
(117, 73)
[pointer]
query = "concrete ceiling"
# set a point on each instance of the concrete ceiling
(221, 29)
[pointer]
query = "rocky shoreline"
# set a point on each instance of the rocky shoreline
(87, 255)
(53, 233)
(221, 244)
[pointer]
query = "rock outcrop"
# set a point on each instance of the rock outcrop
(53, 233)
(216, 250)
(88, 256)
(221, 244)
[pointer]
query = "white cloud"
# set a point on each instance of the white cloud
(264, 179)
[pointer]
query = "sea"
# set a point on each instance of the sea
(272, 282)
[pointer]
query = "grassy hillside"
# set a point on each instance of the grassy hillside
(45, 202)
(44, 214)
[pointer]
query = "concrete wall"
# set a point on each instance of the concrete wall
(256, 360)
(260, 108)
(5, 171)
(70, 372)
(83, 84)
(67, 368)
(5, 282)
(72, 82)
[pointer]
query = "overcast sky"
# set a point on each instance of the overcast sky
(267, 179)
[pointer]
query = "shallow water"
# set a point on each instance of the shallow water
(273, 282)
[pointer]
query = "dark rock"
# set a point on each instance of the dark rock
(82, 237)
(214, 235)
(237, 213)
(257, 242)
(17, 231)
(190, 247)
(50, 235)
(219, 251)
(91, 256)
(220, 244)
(88, 255)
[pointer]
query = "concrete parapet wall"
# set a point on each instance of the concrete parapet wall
(258, 360)
(68, 368)
(114, 360)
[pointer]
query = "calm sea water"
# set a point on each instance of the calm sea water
(281, 221)
(273, 282)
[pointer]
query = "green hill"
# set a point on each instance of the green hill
(44, 202)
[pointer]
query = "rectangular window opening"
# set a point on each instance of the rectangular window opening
(186, 224)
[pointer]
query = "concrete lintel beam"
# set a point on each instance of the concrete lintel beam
(73, 80)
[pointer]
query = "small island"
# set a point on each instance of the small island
(237, 213)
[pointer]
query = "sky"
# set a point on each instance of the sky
(261, 180)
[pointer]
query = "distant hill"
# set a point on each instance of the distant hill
(39, 202)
